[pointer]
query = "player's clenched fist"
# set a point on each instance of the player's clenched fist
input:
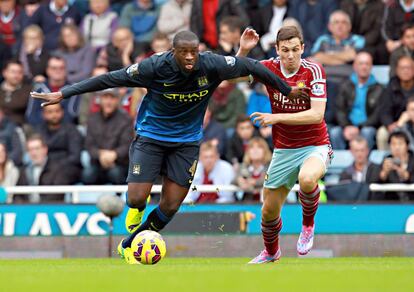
(264, 119)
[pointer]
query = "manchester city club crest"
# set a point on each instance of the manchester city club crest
(136, 169)
(202, 81)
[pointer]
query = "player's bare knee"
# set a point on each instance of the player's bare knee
(307, 182)
(136, 200)
(269, 213)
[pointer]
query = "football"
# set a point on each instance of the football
(148, 247)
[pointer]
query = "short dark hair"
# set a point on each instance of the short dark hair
(287, 33)
(399, 134)
(12, 62)
(186, 36)
(242, 118)
(37, 136)
(406, 27)
(233, 22)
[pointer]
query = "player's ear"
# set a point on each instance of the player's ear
(302, 48)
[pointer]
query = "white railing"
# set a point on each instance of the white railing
(78, 190)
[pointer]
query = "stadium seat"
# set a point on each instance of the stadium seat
(341, 160)
(381, 73)
(377, 156)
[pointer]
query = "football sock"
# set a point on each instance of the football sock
(309, 202)
(156, 221)
(140, 208)
(270, 231)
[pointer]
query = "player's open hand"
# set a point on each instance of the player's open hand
(50, 98)
(249, 39)
(299, 93)
(264, 119)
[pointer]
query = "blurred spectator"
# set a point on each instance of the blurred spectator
(240, 139)
(160, 43)
(14, 93)
(214, 132)
(10, 24)
(396, 14)
(109, 133)
(174, 17)
(406, 48)
(98, 26)
(80, 58)
(366, 21)
(206, 16)
(251, 173)
(88, 100)
(51, 17)
(361, 170)
(10, 139)
(357, 105)
(313, 16)
(63, 141)
(41, 171)
(32, 54)
(394, 99)
(231, 28)
(339, 47)
(211, 170)
(398, 167)
(56, 79)
(141, 17)
(354, 181)
(406, 123)
(269, 20)
(5, 55)
(258, 101)
(29, 7)
(9, 173)
(227, 103)
(122, 51)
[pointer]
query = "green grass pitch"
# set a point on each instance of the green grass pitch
(209, 274)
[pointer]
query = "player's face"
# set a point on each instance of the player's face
(53, 114)
(408, 39)
(186, 54)
(359, 151)
(290, 52)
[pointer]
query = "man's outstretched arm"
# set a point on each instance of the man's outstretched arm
(132, 76)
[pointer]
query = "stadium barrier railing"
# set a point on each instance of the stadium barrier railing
(77, 190)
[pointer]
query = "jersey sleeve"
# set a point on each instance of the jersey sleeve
(229, 67)
(136, 75)
(317, 82)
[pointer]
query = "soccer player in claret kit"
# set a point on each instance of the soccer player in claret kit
(302, 148)
(169, 122)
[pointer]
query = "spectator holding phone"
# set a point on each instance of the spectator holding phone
(398, 167)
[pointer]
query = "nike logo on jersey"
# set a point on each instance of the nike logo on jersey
(167, 85)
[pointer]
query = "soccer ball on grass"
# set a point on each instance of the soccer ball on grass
(148, 247)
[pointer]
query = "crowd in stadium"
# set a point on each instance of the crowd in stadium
(45, 45)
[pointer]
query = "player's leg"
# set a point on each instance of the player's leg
(137, 198)
(312, 170)
(273, 200)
